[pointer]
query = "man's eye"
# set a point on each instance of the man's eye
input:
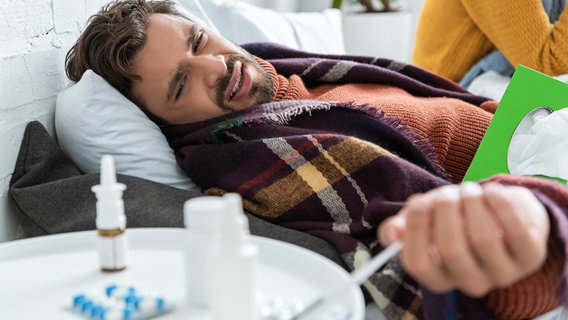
(197, 42)
(181, 86)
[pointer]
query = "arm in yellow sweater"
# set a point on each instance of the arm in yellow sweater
(522, 32)
(454, 35)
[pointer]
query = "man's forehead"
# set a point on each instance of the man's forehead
(166, 35)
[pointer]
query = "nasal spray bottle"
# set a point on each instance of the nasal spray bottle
(111, 221)
(233, 266)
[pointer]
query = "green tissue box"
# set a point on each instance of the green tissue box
(510, 144)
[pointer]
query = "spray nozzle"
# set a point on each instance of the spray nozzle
(108, 176)
(110, 207)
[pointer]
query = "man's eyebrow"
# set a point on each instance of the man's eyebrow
(172, 85)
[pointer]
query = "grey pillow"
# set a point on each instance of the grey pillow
(53, 196)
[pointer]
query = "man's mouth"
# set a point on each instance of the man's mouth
(239, 84)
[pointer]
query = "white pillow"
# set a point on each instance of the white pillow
(93, 119)
(489, 84)
(242, 22)
(194, 10)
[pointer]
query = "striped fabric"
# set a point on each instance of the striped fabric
(336, 170)
(340, 69)
(332, 184)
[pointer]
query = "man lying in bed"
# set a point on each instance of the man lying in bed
(349, 149)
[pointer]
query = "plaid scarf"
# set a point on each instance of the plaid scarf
(317, 69)
(334, 170)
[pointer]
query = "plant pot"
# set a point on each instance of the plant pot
(382, 34)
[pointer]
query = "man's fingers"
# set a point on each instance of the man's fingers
(392, 229)
(419, 256)
(521, 233)
(452, 243)
(470, 237)
(485, 236)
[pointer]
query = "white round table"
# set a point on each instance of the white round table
(39, 276)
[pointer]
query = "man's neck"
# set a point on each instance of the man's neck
(291, 88)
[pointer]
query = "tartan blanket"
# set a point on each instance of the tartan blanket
(316, 68)
(338, 184)
(332, 169)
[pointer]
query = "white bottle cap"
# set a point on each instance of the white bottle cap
(203, 214)
(110, 207)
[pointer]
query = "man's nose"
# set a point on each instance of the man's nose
(209, 67)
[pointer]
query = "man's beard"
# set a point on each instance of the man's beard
(263, 90)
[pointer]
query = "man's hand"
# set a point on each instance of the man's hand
(470, 237)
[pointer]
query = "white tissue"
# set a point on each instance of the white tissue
(539, 145)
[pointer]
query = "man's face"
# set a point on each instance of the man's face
(188, 74)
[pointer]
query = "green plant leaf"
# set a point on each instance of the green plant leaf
(337, 4)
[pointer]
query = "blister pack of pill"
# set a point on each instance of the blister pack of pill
(119, 302)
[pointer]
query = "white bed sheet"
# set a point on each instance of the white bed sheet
(493, 85)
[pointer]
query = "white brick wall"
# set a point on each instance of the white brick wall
(34, 38)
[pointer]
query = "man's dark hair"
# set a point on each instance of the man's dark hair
(112, 38)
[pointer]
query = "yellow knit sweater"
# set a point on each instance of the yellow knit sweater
(453, 35)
